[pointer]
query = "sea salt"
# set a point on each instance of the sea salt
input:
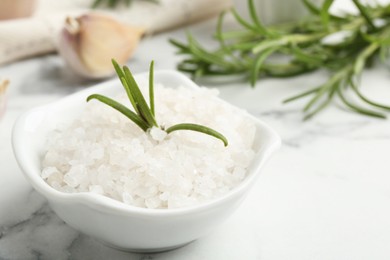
(103, 152)
(157, 134)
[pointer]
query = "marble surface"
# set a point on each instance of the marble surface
(324, 195)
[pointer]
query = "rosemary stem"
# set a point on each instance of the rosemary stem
(302, 48)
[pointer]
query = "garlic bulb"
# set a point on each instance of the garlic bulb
(3, 87)
(89, 42)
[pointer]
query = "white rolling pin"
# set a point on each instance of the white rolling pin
(22, 38)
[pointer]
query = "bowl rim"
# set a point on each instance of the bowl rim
(104, 203)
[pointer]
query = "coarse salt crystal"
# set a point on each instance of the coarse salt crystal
(103, 152)
(48, 171)
(127, 198)
(96, 189)
(157, 134)
(74, 176)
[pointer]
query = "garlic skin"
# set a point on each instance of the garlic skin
(3, 87)
(89, 42)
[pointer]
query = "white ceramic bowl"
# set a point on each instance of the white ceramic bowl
(110, 221)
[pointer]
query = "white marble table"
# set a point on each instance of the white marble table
(324, 195)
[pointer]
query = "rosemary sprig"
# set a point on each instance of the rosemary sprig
(143, 115)
(251, 51)
(114, 3)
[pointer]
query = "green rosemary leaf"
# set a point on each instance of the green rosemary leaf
(121, 108)
(183, 48)
(259, 62)
(268, 43)
(324, 104)
(286, 70)
(385, 41)
(363, 98)
(259, 26)
(198, 128)
(303, 94)
(199, 73)
(139, 98)
(122, 77)
(228, 50)
(318, 109)
(243, 22)
(362, 58)
(333, 83)
(245, 46)
(358, 109)
(118, 69)
(151, 88)
(330, 84)
(129, 94)
(324, 12)
(231, 35)
(313, 60)
(311, 7)
(363, 10)
(218, 33)
(205, 55)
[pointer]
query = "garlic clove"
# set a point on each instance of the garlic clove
(89, 42)
(3, 87)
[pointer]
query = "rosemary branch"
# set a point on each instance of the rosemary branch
(250, 51)
(144, 115)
